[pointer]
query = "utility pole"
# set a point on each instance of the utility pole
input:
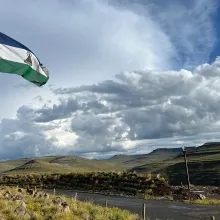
(187, 171)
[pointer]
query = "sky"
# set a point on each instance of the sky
(126, 77)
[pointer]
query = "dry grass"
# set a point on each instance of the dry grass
(204, 202)
(44, 208)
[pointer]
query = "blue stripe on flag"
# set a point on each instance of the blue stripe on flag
(4, 39)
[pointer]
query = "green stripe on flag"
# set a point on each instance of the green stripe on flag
(23, 70)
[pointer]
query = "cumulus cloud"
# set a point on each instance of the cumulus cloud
(64, 109)
(95, 108)
(161, 104)
(22, 137)
(134, 113)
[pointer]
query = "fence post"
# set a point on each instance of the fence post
(106, 203)
(144, 212)
(213, 218)
(35, 189)
(54, 191)
(76, 196)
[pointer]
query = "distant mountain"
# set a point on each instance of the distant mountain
(170, 150)
(209, 144)
(203, 161)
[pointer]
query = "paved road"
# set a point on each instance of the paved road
(163, 210)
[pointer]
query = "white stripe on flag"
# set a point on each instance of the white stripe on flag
(19, 55)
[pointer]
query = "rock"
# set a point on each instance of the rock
(57, 202)
(27, 216)
(20, 190)
(30, 192)
(66, 208)
(149, 177)
(158, 175)
(85, 216)
(8, 194)
(20, 210)
(202, 197)
(46, 196)
(216, 190)
(23, 204)
(39, 195)
(18, 197)
(64, 204)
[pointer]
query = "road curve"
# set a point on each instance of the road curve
(163, 210)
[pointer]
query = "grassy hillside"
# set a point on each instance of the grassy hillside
(56, 164)
(204, 164)
(157, 155)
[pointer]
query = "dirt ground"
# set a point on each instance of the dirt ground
(182, 193)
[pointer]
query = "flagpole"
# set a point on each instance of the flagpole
(186, 166)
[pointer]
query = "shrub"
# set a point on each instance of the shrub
(149, 191)
(162, 179)
(125, 182)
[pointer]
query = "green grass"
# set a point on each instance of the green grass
(56, 164)
(204, 202)
(38, 209)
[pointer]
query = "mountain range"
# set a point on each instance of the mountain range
(203, 163)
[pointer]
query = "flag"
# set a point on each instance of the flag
(16, 58)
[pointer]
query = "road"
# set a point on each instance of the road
(163, 210)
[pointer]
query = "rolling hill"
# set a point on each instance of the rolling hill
(55, 164)
(203, 161)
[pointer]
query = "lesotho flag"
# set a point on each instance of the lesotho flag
(15, 58)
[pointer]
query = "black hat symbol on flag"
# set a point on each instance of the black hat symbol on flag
(28, 60)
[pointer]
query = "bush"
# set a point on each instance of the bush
(125, 182)
(162, 179)
(149, 191)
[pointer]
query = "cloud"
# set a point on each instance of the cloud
(125, 77)
(85, 41)
(191, 29)
(98, 133)
(134, 113)
(81, 42)
(22, 137)
(88, 40)
(156, 105)
(64, 109)
(188, 24)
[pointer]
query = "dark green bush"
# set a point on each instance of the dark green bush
(127, 183)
